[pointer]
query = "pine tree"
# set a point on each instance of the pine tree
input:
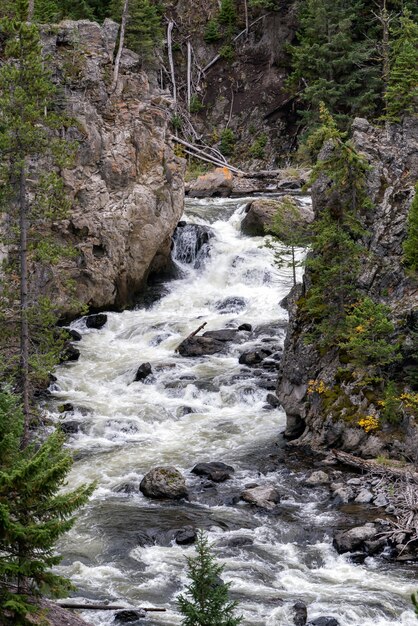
(410, 246)
(144, 31)
(332, 61)
(288, 235)
(46, 11)
(207, 603)
(33, 515)
(32, 194)
(402, 88)
(336, 248)
(227, 13)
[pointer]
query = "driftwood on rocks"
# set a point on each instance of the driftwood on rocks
(400, 485)
(407, 473)
(193, 334)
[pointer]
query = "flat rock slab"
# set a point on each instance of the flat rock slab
(200, 346)
(215, 471)
(164, 482)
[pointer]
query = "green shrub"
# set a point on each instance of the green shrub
(196, 104)
(257, 148)
(227, 52)
(212, 32)
(227, 143)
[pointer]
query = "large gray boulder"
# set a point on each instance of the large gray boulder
(265, 497)
(354, 539)
(215, 183)
(164, 482)
(260, 215)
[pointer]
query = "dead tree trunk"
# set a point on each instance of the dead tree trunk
(189, 74)
(171, 61)
(31, 8)
(125, 13)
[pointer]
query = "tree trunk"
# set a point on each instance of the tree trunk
(24, 303)
(293, 265)
(385, 21)
(171, 61)
(121, 43)
(31, 7)
(189, 74)
(246, 17)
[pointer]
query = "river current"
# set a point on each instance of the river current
(122, 547)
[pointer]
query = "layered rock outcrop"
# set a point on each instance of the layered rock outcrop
(328, 419)
(126, 188)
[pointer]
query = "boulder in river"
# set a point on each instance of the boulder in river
(300, 613)
(98, 320)
(69, 353)
(217, 183)
(318, 478)
(164, 482)
(261, 213)
(246, 327)
(265, 497)
(216, 471)
(186, 536)
(354, 539)
(143, 371)
(75, 335)
(70, 427)
(254, 357)
(200, 346)
(226, 334)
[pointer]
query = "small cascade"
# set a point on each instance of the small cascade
(191, 244)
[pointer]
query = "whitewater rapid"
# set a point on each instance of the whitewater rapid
(121, 548)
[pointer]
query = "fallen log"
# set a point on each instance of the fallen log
(408, 473)
(192, 335)
(107, 607)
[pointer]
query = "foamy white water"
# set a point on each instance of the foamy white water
(120, 548)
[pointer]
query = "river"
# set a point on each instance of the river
(122, 547)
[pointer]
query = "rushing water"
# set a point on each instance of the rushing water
(122, 547)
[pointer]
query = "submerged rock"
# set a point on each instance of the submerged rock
(164, 482)
(324, 621)
(128, 616)
(233, 304)
(216, 471)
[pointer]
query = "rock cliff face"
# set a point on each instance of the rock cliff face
(330, 420)
(126, 187)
